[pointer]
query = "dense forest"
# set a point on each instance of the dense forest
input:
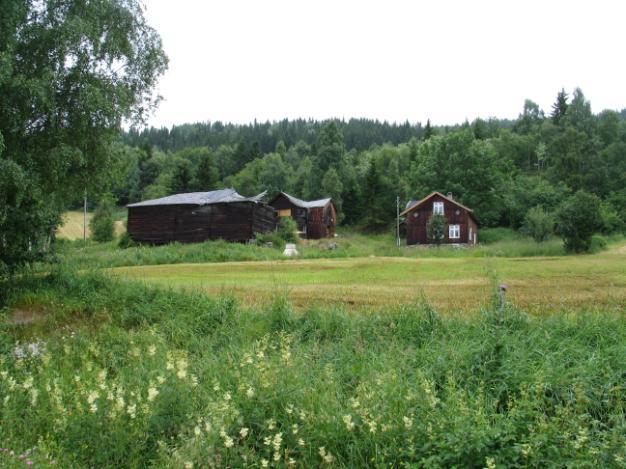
(500, 168)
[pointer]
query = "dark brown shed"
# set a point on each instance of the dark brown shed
(462, 226)
(199, 216)
(315, 218)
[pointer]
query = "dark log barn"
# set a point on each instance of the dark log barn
(462, 227)
(315, 218)
(200, 216)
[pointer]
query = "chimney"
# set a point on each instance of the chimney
(450, 196)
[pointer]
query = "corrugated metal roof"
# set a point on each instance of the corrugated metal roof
(221, 196)
(307, 203)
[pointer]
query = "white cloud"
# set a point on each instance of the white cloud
(238, 60)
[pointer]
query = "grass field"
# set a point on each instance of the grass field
(96, 372)
(449, 284)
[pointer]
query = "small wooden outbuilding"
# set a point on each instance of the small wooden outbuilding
(462, 226)
(315, 218)
(199, 216)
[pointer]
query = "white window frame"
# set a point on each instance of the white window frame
(454, 231)
(438, 208)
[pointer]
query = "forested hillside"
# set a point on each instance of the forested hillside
(500, 168)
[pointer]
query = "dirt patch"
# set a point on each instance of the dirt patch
(25, 316)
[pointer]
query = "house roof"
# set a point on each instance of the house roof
(200, 198)
(305, 203)
(414, 204)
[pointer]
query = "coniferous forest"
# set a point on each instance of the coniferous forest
(500, 168)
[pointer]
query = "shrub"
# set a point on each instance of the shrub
(436, 228)
(538, 224)
(288, 230)
(611, 221)
(126, 241)
(578, 219)
(101, 224)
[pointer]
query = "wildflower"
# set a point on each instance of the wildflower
(194, 381)
(207, 426)
(372, 425)
(490, 463)
(228, 442)
(267, 440)
(160, 379)
(289, 409)
(188, 465)
(216, 386)
(152, 393)
(33, 396)
(181, 366)
(408, 422)
(243, 432)
(250, 393)
(28, 383)
(326, 456)
(265, 463)
(196, 430)
(278, 439)
(151, 350)
(347, 419)
(354, 403)
(291, 462)
(271, 424)
(131, 410)
(300, 442)
(294, 429)
(227, 397)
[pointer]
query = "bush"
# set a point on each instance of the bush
(611, 221)
(497, 234)
(436, 228)
(288, 230)
(126, 241)
(538, 224)
(102, 225)
(578, 219)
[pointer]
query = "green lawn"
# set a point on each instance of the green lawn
(466, 283)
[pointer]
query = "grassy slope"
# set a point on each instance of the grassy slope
(138, 377)
(537, 283)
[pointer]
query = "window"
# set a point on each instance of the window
(437, 208)
(454, 231)
(284, 213)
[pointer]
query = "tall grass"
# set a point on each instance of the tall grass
(501, 243)
(133, 376)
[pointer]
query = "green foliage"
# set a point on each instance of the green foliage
(71, 73)
(181, 179)
(578, 219)
(538, 224)
(333, 187)
(436, 228)
(126, 241)
(288, 230)
(102, 225)
(611, 221)
(126, 381)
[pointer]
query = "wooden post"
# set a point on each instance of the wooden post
(398, 221)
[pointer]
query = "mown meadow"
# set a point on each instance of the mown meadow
(100, 372)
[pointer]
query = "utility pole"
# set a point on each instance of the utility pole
(398, 220)
(85, 219)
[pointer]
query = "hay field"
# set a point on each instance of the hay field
(72, 226)
(450, 284)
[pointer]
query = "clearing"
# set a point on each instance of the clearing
(72, 227)
(449, 284)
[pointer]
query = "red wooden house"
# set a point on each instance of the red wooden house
(462, 226)
(315, 218)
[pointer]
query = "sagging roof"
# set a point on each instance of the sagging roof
(415, 203)
(306, 203)
(221, 196)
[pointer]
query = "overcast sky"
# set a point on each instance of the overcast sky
(236, 60)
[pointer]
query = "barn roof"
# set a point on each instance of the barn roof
(200, 198)
(415, 203)
(306, 203)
